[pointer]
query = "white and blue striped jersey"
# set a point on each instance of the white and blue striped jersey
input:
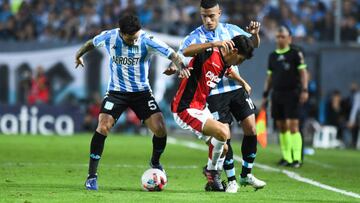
(224, 31)
(129, 65)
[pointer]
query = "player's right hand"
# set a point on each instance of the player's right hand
(171, 69)
(79, 61)
(227, 44)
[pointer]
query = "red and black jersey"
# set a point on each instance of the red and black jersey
(208, 69)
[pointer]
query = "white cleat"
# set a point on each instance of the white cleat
(251, 180)
(232, 187)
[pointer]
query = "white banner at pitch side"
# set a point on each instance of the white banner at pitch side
(66, 58)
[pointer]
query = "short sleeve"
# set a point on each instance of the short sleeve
(100, 39)
(300, 60)
(156, 46)
(238, 31)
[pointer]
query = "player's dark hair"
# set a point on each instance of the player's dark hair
(208, 3)
(244, 45)
(284, 28)
(129, 24)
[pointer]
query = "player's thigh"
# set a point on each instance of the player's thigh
(144, 105)
(156, 124)
(249, 125)
(194, 121)
(216, 129)
(112, 107)
(219, 106)
(242, 107)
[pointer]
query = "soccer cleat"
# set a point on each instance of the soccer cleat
(91, 183)
(232, 187)
(158, 166)
(283, 162)
(252, 181)
(296, 164)
(214, 180)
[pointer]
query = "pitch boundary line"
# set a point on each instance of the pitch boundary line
(290, 174)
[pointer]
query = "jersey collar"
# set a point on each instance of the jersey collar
(282, 51)
(215, 32)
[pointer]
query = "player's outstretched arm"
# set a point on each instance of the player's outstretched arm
(254, 29)
(194, 49)
(236, 76)
(183, 71)
(85, 48)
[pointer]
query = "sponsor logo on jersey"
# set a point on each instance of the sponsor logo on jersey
(123, 60)
(213, 79)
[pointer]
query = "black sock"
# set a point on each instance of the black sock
(159, 144)
(96, 149)
(229, 163)
(248, 150)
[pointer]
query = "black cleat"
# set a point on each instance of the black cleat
(214, 180)
(158, 166)
(296, 164)
(283, 162)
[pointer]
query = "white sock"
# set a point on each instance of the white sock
(218, 147)
(220, 163)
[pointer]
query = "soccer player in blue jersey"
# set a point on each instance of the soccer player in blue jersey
(228, 98)
(129, 49)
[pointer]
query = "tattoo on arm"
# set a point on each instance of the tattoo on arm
(85, 48)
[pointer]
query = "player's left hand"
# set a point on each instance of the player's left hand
(79, 61)
(304, 97)
(253, 28)
(185, 72)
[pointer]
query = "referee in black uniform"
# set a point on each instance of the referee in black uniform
(287, 77)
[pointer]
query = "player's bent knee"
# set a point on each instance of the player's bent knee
(226, 149)
(222, 133)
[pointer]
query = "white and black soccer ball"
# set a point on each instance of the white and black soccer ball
(153, 180)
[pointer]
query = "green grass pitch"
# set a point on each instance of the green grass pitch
(53, 169)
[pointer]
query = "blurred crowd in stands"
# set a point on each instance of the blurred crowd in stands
(54, 20)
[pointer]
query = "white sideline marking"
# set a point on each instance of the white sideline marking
(290, 174)
(29, 164)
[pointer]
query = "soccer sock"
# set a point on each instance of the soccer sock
(159, 144)
(248, 150)
(229, 163)
(96, 149)
(282, 144)
(287, 147)
(296, 146)
(216, 148)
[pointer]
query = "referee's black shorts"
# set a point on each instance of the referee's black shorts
(142, 103)
(285, 105)
(235, 103)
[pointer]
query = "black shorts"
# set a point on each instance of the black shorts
(236, 103)
(142, 103)
(285, 105)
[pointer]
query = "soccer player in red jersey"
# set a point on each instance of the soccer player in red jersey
(189, 104)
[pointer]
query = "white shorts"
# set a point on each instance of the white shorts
(194, 120)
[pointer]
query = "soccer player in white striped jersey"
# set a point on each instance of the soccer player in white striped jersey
(228, 98)
(129, 49)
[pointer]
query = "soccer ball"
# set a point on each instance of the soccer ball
(153, 180)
